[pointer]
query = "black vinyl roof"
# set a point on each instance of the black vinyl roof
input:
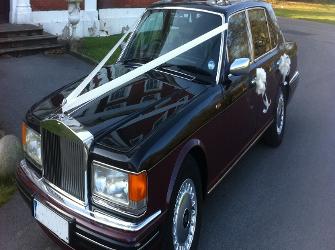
(223, 7)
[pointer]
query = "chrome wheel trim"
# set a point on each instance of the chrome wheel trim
(185, 216)
(280, 114)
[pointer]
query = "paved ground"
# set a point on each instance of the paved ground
(23, 81)
(274, 199)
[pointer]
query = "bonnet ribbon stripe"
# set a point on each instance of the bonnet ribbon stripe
(76, 101)
(89, 78)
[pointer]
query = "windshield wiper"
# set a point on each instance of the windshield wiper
(136, 60)
(193, 72)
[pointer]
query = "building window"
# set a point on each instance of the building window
(119, 94)
(154, 97)
(152, 85)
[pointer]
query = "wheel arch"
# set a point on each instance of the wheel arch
(196, 149)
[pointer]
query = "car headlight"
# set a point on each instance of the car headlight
(31, 141)
(114, 188)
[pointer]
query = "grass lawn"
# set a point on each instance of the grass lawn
(96, 48)
(319, 12)
(7, 189)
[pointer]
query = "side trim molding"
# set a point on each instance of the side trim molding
(294, 77)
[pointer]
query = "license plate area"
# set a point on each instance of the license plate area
(51, 220)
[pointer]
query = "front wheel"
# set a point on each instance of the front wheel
(275, 133)
(184, 217)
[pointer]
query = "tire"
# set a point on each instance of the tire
(275, 133)
(179, 224)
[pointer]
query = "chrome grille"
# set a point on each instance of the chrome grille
(64, 163)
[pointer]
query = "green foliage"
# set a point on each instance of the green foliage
(304, 1)
(318, 12)
(7, 189)
(96, 48)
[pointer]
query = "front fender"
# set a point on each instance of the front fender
(185, 150)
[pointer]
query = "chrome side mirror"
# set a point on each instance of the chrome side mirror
(240, 66)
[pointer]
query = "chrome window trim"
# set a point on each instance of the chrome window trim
(252, 41)
(267, 24)
(98, 217)
(249, 41)
(219, 67)
(265, 54)
(176, 75)
(250, 36)
(130, 37)
(268, 17)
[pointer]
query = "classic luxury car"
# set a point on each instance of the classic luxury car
(129, 162)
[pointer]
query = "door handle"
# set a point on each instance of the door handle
(253, 82)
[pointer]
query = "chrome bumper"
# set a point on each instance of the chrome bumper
(103, 219)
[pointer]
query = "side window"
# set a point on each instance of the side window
(260, 32)
(273, 19)
(238, 39)
(153, 23)
(273, 33)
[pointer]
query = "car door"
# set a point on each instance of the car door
(238, 120)
(264, 69)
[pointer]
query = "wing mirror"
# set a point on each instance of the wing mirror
(240, 66)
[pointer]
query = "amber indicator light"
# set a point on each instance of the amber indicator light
(137, 186)
(24, 133)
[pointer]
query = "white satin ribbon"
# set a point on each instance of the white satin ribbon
(75, 100)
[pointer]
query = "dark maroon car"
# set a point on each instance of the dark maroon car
(131, 168)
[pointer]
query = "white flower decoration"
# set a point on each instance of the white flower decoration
(284, 66)
(260, 81)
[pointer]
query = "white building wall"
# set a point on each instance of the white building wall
(113, 21)
(57, 23)
(93, 22)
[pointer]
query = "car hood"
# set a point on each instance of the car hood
(127, 116)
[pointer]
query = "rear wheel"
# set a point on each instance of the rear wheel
(275, 133)
(185, 210)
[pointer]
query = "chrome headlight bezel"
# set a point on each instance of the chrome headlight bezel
(128, 206)
(31, 141)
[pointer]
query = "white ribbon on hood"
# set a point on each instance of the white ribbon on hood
(75, 100)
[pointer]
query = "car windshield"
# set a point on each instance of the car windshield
(163, 30)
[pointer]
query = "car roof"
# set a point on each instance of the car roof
(223, 7)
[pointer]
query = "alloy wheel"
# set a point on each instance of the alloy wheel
(280, 114)
(185, 216)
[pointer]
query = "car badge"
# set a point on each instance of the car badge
(211, 65)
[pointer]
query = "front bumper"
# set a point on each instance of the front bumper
(89, 229)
